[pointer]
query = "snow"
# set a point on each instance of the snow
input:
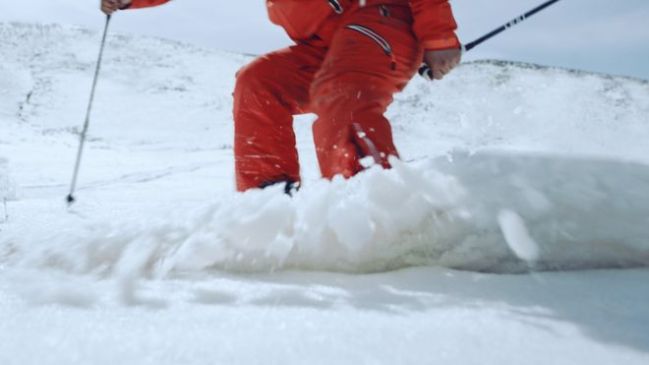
(518, 182)
(7, 185)
(517, 236)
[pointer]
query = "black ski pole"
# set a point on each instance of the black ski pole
(426, 72)
(70, 198)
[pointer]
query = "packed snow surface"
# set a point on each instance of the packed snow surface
(479, 246)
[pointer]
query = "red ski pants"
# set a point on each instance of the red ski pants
(347, 80)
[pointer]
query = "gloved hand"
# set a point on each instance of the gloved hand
(441, 62)
(110, 6)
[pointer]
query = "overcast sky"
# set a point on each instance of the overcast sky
(610, 36)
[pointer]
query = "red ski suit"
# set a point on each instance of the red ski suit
(348, 61)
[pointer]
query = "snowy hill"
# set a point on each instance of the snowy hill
(510, 168)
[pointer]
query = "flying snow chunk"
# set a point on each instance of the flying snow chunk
(517, 236)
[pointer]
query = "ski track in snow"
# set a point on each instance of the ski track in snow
(512, 169)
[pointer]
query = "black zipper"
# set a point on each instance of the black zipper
(335, 4)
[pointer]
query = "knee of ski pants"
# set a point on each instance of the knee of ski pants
(351, 124)
(281, 78)
(251, 81)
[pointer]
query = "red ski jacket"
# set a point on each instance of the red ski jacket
(434, 24)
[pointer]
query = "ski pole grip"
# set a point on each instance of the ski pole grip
(426, 72)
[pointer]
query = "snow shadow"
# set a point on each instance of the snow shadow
(608, 306)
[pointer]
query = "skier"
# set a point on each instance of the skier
(350, 57)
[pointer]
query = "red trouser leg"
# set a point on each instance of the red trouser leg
(268, 92)
(371, 57)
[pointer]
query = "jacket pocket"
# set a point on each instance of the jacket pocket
(378, 39)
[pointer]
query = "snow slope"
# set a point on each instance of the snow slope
(514, 173)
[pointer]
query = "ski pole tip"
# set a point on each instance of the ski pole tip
(70, 199)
